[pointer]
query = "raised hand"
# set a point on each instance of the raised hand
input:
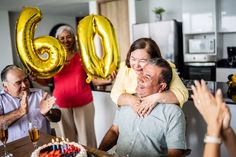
(24, 103)
(212, 108)
(46, 103)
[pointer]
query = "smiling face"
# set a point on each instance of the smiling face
(138, 59)
(16, 82)
(68, 40)
(148, 81)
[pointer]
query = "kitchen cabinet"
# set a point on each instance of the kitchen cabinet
(227, 21)
(200, 24)
(223, 73)
(198, 16)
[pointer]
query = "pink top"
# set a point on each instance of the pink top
(71, 89)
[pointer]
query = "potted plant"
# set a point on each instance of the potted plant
(158, 12)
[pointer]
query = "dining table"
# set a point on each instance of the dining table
(24, 147)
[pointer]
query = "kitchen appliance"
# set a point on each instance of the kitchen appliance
(231, 56)
(201, 46)
(198, 71)
(167, 35)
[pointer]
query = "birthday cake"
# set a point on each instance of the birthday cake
(69, 149)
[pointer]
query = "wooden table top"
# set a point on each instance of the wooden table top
(24, 147)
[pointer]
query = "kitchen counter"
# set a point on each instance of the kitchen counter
(223, 63)
(213, 86)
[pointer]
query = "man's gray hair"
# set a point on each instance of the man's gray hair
(166, 73)
(6, 69)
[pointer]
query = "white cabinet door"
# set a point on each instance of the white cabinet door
(228, 16)
(198, 16)
(223, 73)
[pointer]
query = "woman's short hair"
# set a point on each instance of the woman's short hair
(144, 43)
(69, 29)
(64, 28)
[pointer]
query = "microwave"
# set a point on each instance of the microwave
(201, 45)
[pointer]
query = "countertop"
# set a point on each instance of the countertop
(213, 86)
(224, 63)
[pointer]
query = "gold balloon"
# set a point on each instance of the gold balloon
(44, 56)
(87, 29)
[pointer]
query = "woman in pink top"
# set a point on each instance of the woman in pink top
(73, 94)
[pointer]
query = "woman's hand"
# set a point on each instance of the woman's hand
(108, 81)
(212, 108)
(32, 77)
(147, 105)
(227, 117)
(134, 102)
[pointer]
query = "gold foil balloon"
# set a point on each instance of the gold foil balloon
(44, 56)
(87, 29)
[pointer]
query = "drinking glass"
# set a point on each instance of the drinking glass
(34, 133)
(3, 138)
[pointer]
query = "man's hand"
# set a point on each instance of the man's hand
(24, 103)
(46, 103)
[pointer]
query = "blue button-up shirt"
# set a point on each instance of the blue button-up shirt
(152, 136)
(19, 128)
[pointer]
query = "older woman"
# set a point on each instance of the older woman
(74, 95)
(123, 90)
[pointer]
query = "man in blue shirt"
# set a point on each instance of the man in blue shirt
(20, 104)
(161, 133)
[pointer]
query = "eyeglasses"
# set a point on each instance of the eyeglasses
(19, 83)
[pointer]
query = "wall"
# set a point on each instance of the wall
(144, 9)
(229, 39)
(5, 41)
(173, 9)
(43, 28)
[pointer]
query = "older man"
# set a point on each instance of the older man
(20, 104)
(162, 133)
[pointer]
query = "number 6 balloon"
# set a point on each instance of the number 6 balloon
(44, 56)
(87, 29)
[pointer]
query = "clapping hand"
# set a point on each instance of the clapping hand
(212, 108)
(24, 103)
(46, 103)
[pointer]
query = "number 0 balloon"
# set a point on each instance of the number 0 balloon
(87, 29)
(43, 56)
